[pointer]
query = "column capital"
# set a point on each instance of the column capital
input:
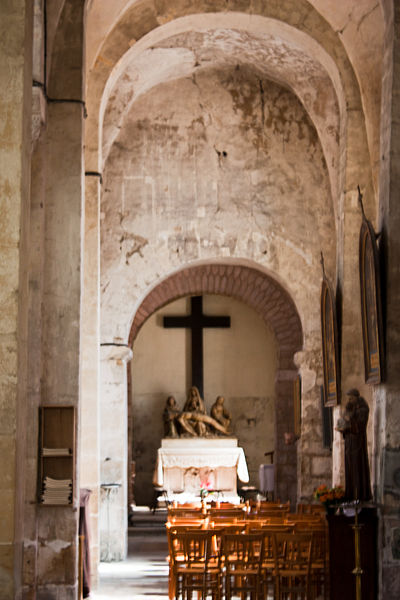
(117, 352)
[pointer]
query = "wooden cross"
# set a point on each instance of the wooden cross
(196, 322)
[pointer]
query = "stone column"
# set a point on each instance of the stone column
(314, 462)
(114, 452)
(89, 456)
(15, 147)
(61, 312)
(285, 457)
(387, 413)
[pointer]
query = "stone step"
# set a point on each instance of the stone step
(142, 521)
(139, 530)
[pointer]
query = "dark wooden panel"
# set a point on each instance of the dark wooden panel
(342, 555)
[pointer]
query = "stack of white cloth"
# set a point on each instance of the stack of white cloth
(56, 452)
(57, 491)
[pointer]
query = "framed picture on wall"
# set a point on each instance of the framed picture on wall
(297, 406)
(330, 351)
(371, 305)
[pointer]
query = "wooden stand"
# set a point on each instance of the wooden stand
(56, 448)
(343, 548)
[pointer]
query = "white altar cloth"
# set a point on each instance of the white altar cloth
(200, 452)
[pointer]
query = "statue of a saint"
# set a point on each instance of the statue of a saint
(220, 414)
(170, 417)
(353, 426)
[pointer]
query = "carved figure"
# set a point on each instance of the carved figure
(220, 414)
(353, 426)
(194, 401)
(170, 417)
(190, 419)
(194, 420)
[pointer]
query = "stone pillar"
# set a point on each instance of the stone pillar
(57, 527)
(114, 452)
(387, 414)
(36, 260)
(15, 147)
(285, 457)
(89, 456)
(314, 462)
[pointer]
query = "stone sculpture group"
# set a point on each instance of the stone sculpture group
(193, 420)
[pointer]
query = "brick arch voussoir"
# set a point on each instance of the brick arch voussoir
(256, 289)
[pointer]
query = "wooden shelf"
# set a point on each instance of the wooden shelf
(56, 455)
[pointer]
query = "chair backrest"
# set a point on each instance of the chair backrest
(242, 551)
(269, 506)
(307, 518)
(193, 547)
(268, 532)
(230, 513)
(184, 512)
(179, 527)
(292, 551)
(239, 527)
(311, 509)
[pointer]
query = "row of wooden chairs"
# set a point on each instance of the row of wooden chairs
(256, 509)
(248, 565)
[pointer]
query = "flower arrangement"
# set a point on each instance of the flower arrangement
(329, 496)
(205, 489)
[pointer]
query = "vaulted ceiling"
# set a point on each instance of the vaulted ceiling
(328, 53)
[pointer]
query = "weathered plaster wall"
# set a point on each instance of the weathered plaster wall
(221, 164)
(239, 363)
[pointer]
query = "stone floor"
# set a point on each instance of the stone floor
(143, 576)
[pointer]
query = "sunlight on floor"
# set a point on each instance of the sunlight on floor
(143, 576)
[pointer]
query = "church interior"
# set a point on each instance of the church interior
(157, 151)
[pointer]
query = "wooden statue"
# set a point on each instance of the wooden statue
(353, 426)
(170, 416)
(220, 414)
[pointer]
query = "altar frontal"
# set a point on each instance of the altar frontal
(198, 454)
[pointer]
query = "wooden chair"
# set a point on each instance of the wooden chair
(175, 521)
(311, 509)
(320, 555)
(292, 557)
(268, 560)
(242, 559)
(195, 564)
(264, 506)
(320, 562)
(228, 513)
(221, 529)
(304, 518)
(184, 512)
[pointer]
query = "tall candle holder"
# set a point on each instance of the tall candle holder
(357, 571)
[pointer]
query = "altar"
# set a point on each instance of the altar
(186, 465)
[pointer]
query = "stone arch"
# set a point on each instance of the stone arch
(274, 305)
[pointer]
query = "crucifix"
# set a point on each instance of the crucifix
(196, 322)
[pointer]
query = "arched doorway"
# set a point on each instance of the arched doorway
(274, 305)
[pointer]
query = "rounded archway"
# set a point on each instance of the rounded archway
(274, 305)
